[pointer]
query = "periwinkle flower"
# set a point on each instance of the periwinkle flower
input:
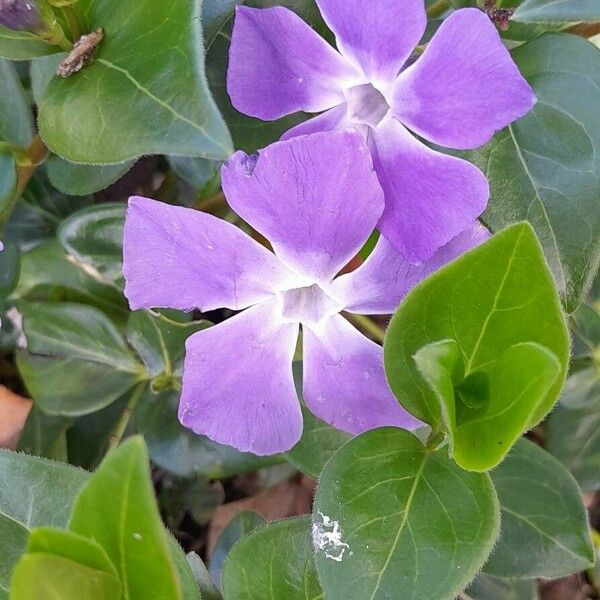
(19, 15)
(458, 93)
(317, 199)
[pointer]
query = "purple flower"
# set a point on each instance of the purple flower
(19, 15)
(463, 89)
(317, 199)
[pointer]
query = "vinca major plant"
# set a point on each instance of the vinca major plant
(299, 299)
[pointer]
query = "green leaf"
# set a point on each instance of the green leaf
(44, 435)
(545, 167)
(69, 545)
(117, 508)
(48, 274)
(198, 172)
(94, 236)
(241, 525)
(573, 434)
(22, 45)
(486, 413)
(189, 588)
(79, 180)
(204, 582)
(144, 93)
(487, 587)
(46, 576)
(33, 492)
(544, 524)
(10, 261)
(182, 452)
(543, 11)
(391, 515)
(319, 441)
(509, 309)
(16, 119)
(72, 349)
(274, 561)
(8, 183)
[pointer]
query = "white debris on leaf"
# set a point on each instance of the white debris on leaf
(327, 537)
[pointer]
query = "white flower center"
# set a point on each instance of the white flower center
(308, 305)
(366, 105)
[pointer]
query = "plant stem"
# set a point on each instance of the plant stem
(121, 426)
(367, 326)
(437, 8)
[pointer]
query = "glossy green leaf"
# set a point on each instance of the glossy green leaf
(117, 508)
(16, 119)
(46, 576)
(72, 349)
(391, 515)
(182, 452)
(544, 524)
(8, 183)
(546, 166)
(274, 561)
(488, 587)
(486, 413)
(94, 236)
(204, 582)
(509, 308)
(21, 45)
(241, 525)
(142, 94)
(80, 180)
(33, 492)
(557, 10)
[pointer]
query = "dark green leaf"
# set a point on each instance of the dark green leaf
(46, 576)
(142, 94)
(80, 180)
(544, 11)
(202, 577)
(241, 525)
(33, 492)
(44, 435)
(9, 269)
(391, 515)
(198, 172)
(481, 324)
(16, 120)
(544, 524)
(21, 45)
(487, 587)
(117, 508)
(72, 349)
(94, 236)
(8, 183)
(180, 451)
(546, 167)
(274, 561)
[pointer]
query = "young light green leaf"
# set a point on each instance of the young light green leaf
(546, 166)
(94, 237)
(73, 348)
(497, 303)
(564, 11)
(122, 105)
(545, 532)
(33, 492)
(391, 515)
(80, 180)
(241, 525)
(117, 508)
(39, 576)
(274, 561)
(16, 118)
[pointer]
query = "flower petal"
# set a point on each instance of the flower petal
(327, 121)
(238, 387)
(465, 87)
(429, 197)
(175, 257)
(344, 382)
(316, 198)
(278, 65)
(377, 36)
(380, 283)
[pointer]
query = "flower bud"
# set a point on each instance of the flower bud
(19, 15)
